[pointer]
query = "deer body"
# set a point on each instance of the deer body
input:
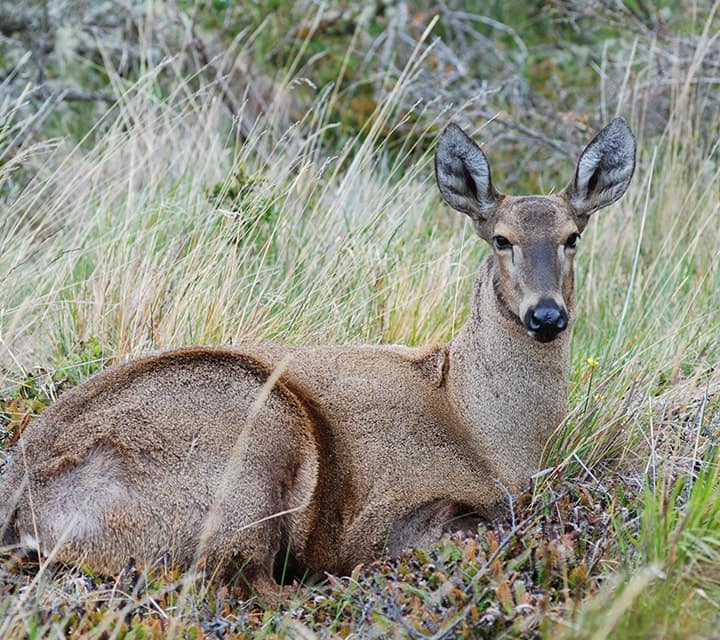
(220, 458)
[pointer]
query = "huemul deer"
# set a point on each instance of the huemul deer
(223, 459)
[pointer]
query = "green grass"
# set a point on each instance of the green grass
(163, 232)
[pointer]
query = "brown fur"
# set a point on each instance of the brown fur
(218, 458)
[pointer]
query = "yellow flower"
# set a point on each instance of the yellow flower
(592, 363)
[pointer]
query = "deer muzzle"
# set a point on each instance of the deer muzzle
(545, 320)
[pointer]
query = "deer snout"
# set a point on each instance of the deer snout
(545, 320)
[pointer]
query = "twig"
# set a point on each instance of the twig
(69, 95)
(397, 616)
(510, 499)
(591, 474)
(526, 131)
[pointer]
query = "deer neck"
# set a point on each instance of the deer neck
(509, 389)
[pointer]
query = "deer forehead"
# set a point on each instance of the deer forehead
(525, 219)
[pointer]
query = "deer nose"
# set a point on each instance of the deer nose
(546, 320)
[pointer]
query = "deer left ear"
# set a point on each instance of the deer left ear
(463, 177)
(603, 172)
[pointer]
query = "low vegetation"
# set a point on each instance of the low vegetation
(170, 210)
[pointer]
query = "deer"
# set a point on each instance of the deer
(228, 459)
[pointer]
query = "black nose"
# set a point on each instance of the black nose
(546, 320)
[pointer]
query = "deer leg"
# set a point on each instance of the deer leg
(426, 523)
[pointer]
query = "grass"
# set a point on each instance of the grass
(164, 231)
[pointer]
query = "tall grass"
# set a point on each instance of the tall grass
(170, 229)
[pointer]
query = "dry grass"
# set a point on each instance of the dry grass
(167, 230)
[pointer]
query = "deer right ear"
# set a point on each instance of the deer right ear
(603, 172)
(463, 177)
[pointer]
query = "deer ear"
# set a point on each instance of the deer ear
(603, 171)
(463, 177)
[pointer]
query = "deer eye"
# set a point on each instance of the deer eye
(501, 243)
(572, 240)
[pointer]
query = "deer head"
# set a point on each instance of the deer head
(534, 238)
